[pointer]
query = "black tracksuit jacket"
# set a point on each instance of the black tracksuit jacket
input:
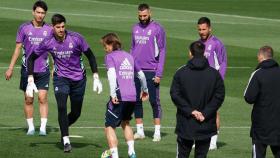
(263, 91)
(197, 86)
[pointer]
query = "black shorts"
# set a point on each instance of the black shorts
(41, 80)
(116, 113)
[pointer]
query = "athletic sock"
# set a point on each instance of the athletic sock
(30, 124)
(114, 152)
(66, 140)
(43, 124)
(140, 129)
(157, 130)
(130, 144)
(214, 139)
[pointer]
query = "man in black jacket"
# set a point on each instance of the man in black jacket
(263, 91)
(197, 91)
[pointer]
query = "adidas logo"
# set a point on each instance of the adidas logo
(30, 34)
(125, 65)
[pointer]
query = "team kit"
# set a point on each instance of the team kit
(197, 88)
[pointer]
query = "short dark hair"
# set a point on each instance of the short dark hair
(40, 4)
(57, 19)
(266, 51)
(204, 20)
(143, 6)
(197, 49)
(112, 39)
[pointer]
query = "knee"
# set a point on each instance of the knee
(28, 101)
(75, 114)
(43, 100)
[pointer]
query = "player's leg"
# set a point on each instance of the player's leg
(77, 92)
(201, 148)
(127, 110)
(155, 103)
(112, 120)
(28, 110)
(43, 102)
(214, 139)
(61, 91)
(259, 149)
(42, 82)
(138, 112)
(184, 147)
(28, 103)
(275, 150)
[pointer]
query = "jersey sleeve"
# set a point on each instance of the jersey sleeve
(20, 35)
(222, 59)
(161, 41)
(109, 62)
(83, 44)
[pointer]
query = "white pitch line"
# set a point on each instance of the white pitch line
(164, 127)
(187, 11)
(239, 67)
(131, 18)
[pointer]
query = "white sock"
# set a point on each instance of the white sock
(140, 129)
(130, 144)
(214, 140)
(114, 152)
(30, 124)
(157, 130)
(66, 140)
(43, 124)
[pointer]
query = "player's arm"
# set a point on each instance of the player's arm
(112, 78)
(30, 69)
(9, 72)
(179, 101)
(252, 90)
(97, 86)
(161, 42)
(217, 99)
(222, 58)
(144, 88)
(132, 42)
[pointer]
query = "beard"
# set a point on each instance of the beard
(145, 22)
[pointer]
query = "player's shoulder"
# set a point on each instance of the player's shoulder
(157, 24)
(181, 69)
(74, 34)
(217, 40)
(25, 25)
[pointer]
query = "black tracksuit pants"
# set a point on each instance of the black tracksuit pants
(184, 148)
(259, 150)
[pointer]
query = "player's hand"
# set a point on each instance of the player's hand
(156, 80)
(97, 85)
(31, 87)
(144, 96)
(115, 100)
(9, 74)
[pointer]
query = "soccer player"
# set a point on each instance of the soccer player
(263, 91)
(29, 36)
(148, 47)
(121, 70)
(69, 77)
(197, 91)
(216, 54)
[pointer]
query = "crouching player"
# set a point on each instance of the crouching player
(121, 70)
